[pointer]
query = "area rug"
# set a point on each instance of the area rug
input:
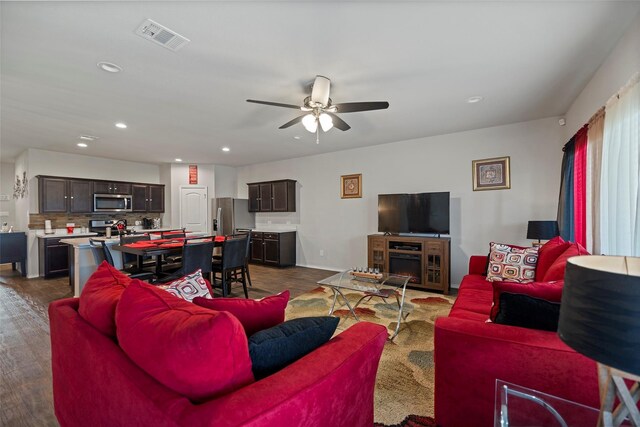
(404, 385)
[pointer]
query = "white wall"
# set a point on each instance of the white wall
(43, 162)
(7, 182)
(441, 163)
(615, 71)
(226, 181)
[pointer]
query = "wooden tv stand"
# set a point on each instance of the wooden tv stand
(425, 258)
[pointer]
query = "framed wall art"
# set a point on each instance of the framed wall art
(491, 174)
(351, 186)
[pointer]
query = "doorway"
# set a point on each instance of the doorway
(194, 209)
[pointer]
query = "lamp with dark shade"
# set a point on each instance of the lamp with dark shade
(542, 230)
(600, 318)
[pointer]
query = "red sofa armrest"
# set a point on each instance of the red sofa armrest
(331, 386)
(471, 355)
(478, 264)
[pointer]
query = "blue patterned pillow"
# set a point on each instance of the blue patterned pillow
(274, 348)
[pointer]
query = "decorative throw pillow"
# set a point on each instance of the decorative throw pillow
(189, 287)
(274, 348)
(197, 352)
(548, 253)
(99, 298)
(255, 315)
(548, 291)
(528, 312)
(556, 270)
(512, 263)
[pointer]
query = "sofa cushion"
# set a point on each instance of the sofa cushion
(274, 348)
(548, 253)
(254, 315)
(197, 352)
(548, 291)
(99, 298)
(189, 287)
(528, 312)
(512, 263)
(556, 270)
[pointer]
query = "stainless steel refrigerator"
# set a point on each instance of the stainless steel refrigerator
(230, 215)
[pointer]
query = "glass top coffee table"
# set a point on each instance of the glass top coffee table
(518, 406)
(383, 286)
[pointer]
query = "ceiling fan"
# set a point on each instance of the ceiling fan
(320, 112)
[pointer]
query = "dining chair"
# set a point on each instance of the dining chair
(196, 254)
(173, 234)
(247, 255)
(101, 253)
(233, 258)
(130, 260)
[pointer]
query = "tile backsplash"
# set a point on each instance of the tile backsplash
(36, 221)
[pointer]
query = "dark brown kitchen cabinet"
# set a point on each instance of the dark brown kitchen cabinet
(272, 196)
(139, 197)
(278, 249)
(80, 196)
(156, 198)
(105, 187)
(147, 198)
(254, 197)
(53, 257)
(53, 193)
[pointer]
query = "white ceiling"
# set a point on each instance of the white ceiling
(528, 59)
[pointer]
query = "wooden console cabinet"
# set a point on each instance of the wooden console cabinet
(426, 259)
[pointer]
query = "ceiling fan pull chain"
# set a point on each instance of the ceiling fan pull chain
(318, 135)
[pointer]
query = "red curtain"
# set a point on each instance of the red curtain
(580, 186)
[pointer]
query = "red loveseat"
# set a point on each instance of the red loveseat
(96, 384)
(471, 354)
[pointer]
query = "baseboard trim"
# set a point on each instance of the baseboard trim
(321, 267)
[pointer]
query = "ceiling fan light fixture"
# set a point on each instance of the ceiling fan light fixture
(320, 90)
(310, 123)
(326, 122)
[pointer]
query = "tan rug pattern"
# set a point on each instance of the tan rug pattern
(404, 384)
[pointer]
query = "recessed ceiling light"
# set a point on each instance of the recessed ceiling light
(296, 137)
(226, 149)
(178, 160)
(121, 125)
(88, 137)
(109, 67)
(82, 145)
(474, 99)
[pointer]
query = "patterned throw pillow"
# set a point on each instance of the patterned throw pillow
(189, 287)
(512, 263)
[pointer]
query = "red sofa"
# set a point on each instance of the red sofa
(471, 354)
(96, 384)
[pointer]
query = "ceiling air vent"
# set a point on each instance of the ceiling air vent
(161, 35)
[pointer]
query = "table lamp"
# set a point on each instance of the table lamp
(542, 230)
(600, 318)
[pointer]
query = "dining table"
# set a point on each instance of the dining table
(159, 247)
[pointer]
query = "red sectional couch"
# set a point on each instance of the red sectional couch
(95, 382)
(471, 354)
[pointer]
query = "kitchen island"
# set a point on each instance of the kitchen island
(83, 262)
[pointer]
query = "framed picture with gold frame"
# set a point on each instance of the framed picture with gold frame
(491, 174)
(351, 186)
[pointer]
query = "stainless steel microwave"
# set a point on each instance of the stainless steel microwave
(112, 202)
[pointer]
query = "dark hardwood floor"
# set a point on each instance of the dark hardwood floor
(25, 353)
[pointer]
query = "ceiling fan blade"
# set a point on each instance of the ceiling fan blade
(275, 104)
(338, 122)
(292, 122)
(352, 107)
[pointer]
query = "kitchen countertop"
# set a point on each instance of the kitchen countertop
(273, 230)
(41, 235)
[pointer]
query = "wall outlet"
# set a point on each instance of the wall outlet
(321, 252)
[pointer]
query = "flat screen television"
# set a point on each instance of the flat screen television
(426, 213)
